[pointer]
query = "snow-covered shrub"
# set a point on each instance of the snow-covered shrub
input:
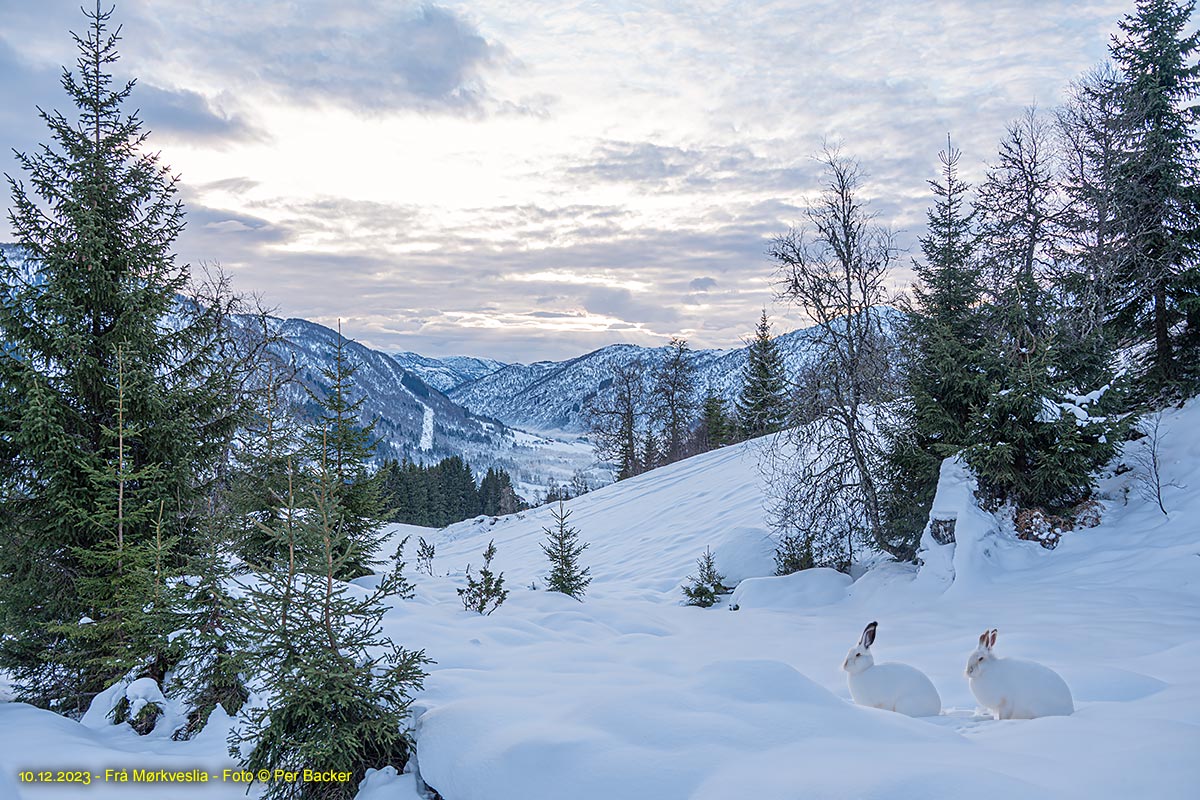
(140, 706)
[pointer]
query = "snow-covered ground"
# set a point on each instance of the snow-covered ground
(630, 695)
(426, 442)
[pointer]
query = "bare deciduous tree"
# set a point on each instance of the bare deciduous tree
(614, 419)
(823, 474)
(1148, 461)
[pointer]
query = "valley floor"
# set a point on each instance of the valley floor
(629, 695)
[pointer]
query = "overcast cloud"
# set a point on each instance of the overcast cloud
(526, 181)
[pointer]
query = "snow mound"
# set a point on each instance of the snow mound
(807, 588)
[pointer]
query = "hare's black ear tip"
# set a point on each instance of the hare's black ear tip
(873, 625)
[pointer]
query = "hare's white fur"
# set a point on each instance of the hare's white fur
(1015, 689)
(890, 686)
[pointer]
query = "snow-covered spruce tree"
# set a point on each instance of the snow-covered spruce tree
(97, 222)
(762, 404)
(1035, 443)
(563, 548)
(824, 474)
(615, 418)
(673, 399)
(485, 590)
(707, 585)
(339, 441)
(947, 356)
(212, 646)
(337, 690)
(1158, 277)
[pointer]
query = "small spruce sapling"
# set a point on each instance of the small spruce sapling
(425, 553)
(487, 589)
(563, 548)
(708, 583)
(401, 586)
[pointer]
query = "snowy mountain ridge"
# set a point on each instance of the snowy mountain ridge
(551, 396)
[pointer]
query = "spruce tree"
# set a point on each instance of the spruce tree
(716, 429)
(1092, 235)
(947, 356)
(1157, 274)
(340, 690)
(212, 648)
(485, 590)
(339, 442)
(563, 549)
(97, 222)
(267, 442)
(707, 585)
(1034, 442)
(762, 404)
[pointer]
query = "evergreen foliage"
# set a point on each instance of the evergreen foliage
(716, 428)
(98, 223)
(339, 690)
(563, 549)
(445, 493)
(793, 553)
(707, 585)
(1034, 442)
(497, 496)
(1090, 234)
(485, 590)
(947, 358)
(211, 650)
(1157, 301)
(338, 440)
(762, 404)
(269, 440)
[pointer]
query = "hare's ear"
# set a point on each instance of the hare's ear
(992, 639)
(983, 639)
(868, 635)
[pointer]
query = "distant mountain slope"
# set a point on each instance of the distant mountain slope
(417, 421)
(446, 373)
(549, 396)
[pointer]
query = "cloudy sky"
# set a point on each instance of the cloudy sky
(527, 180)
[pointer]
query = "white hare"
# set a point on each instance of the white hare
(890, 686)
(1014, 689)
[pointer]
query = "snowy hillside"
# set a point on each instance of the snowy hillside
(550, 395)
(630, 695)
